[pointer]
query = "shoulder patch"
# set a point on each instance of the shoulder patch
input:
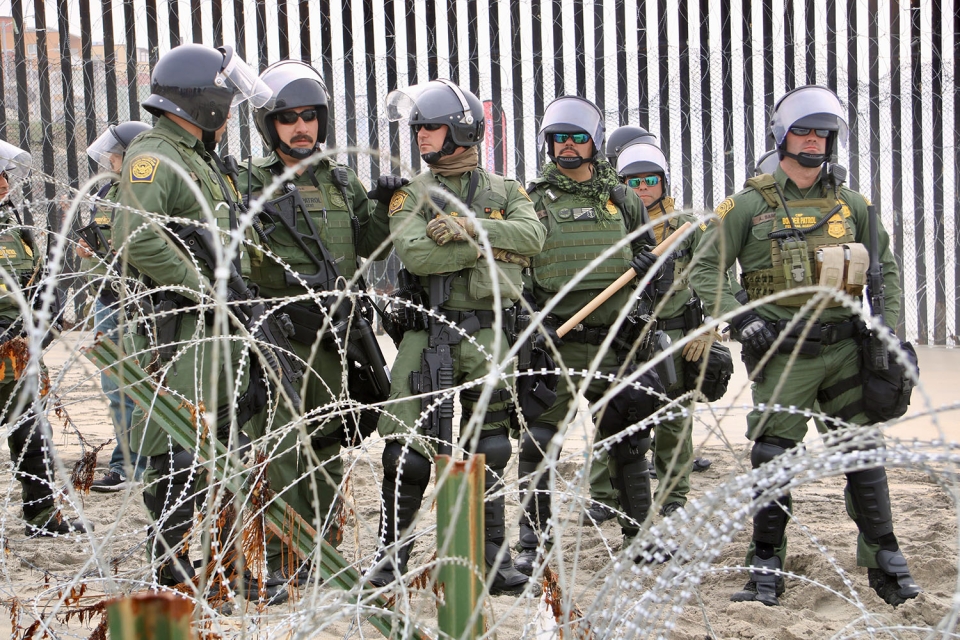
(725, 207)
(523, 192)
(336, 197)
(144, 169)
(396, 202)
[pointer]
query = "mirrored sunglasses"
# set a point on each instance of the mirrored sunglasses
(650, 181)
(578, 138)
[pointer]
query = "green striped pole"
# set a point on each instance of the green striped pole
(460, 545)
(151, 616)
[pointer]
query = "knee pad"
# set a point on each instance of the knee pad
(534, 442)
(767, 448)
(631, 404)
(406, 462)
(631, 448)
(870, 495)
(495, 445)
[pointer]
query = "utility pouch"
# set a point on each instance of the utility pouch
(857, 261)
(666, 369)
(407, 317)
(809, 346)
(795, 261)
(692, 314)
(716, 372)
(886, 393)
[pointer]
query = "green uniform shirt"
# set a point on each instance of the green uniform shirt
(150, 181)
(742, 235)
(575, 236)
(331, 214)
(681, 294)
(17, 259)
(503, 210)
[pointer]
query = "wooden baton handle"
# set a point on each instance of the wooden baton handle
(618, 284)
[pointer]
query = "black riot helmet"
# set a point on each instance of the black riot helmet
(114, 140)
(571, 114)
(622, 136)
(294, 84)
(811, 107)
(200, 84)
(440, 102)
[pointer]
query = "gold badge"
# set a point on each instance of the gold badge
(725, 207)
(144, 169)
(612, 208)
(396, 202)
(336, 198)
(523, 192)
(835, 227)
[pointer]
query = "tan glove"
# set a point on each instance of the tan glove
(507, 256)
(694, 350)
(444, 228)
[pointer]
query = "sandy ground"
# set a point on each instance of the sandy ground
(827, 594)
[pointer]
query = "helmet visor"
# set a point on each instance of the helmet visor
(14, 161)
(104, 146)
(245, 82)
(817, 107)
(570, 114)
(640, 157)
(400, 103)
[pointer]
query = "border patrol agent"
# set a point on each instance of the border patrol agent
(778, 228)
(349, 225)
(29, 439)
(436, 242)
(585, 210)
(643, 167)
(193, 87)
(107, 151)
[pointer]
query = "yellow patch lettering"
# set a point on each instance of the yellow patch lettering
(144, 169)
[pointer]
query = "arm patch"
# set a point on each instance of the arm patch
(144, 169)
(396, 202)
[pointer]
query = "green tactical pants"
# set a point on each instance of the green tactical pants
(802, 380)
(402, 416)
(309, 486)
(28, 442)
(672, 450)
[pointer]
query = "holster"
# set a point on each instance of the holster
(886, 393)
(167, 323)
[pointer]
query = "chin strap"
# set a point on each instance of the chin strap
(298, 153)
(808, 160)
(432, 157)
(566, 162)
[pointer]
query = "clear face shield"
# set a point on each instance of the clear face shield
(575, 113)
(817, 107)
(105, 146)
(244, 81)
(15, 165)
(640, 157)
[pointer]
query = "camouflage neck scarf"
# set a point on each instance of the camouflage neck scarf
(596, 190)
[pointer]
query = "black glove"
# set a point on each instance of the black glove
(754, 334)
(643, 262)
(540, 342)
(387, 183)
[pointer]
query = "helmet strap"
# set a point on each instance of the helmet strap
(432, 157)
(298, 153)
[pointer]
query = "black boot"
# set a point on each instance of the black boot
(171, 507)
(533, 520)
(892, 581)
(402, 497)
(508, 579)
(764, 585)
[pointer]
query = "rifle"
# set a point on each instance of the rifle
(270, 329)
(877, 349)
(352, 328)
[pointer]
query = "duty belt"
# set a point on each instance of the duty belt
(587, 335)
(672, 324)
(486, 317)
(824, 333)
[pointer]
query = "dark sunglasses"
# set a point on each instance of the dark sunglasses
(805, 131)
(290, 117)
(429, 126)
(650, 181)
(578, 138)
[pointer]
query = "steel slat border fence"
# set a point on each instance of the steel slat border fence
(701, 74)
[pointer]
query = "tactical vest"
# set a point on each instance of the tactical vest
(794, 262)
(332, 215)
(16, 258)
(206, 180)
(472, 288)
(575, 241)
(681, 258)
